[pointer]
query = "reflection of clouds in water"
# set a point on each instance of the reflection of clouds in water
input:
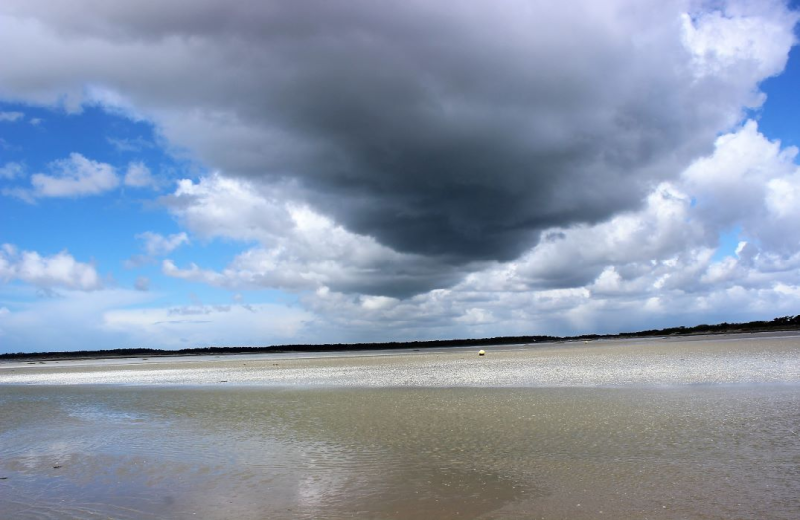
(336, 474)
(255, 453)
(321, 482)
(313, 490)
(103, 414)
(89, 485)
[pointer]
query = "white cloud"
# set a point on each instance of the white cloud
(11, 171)
(751, 182)
(156, 244)
(299, 248)
(75, 176)
(47, 272)
(11, 117)
(139, 175)
(575, 256)
(641, 269)
(195, 274)
(742, 37)
(218, 206)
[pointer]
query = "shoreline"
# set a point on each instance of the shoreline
(777, 325)
(365, 348)
(715, 359)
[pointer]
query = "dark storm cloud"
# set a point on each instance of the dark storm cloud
(451, 129)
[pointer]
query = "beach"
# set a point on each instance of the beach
(734, 359)
(702, 427)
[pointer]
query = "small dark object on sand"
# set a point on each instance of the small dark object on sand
(56, 467)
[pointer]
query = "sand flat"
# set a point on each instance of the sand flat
(255, 452)
(701, 427)
(728, 359)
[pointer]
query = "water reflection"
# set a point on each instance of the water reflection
(711, 452)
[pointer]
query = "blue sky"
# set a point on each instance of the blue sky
(155, 191)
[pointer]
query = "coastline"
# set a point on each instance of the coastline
(784, 325)
(717, 359)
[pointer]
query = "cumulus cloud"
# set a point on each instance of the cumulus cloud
(220, 207)
(658, 266)
(437, 128)
(658, 261)
(752, 182)
(652, 267)
(75, 176)
(298, 248)
(47, 272)
(661, 231)
(139, 175)
(747, 183)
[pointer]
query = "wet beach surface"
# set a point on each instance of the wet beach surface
(750, 358)
(699, 428)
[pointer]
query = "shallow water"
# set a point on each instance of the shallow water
(707, 451)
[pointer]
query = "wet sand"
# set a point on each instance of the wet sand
(732, 359)
(699, 428)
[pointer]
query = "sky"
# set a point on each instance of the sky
(193, 173)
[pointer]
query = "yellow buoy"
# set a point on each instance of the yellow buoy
(481, 352)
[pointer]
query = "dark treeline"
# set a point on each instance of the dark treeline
(321, 347)
(783, 323)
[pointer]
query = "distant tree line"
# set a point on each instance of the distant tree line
(782, 323)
